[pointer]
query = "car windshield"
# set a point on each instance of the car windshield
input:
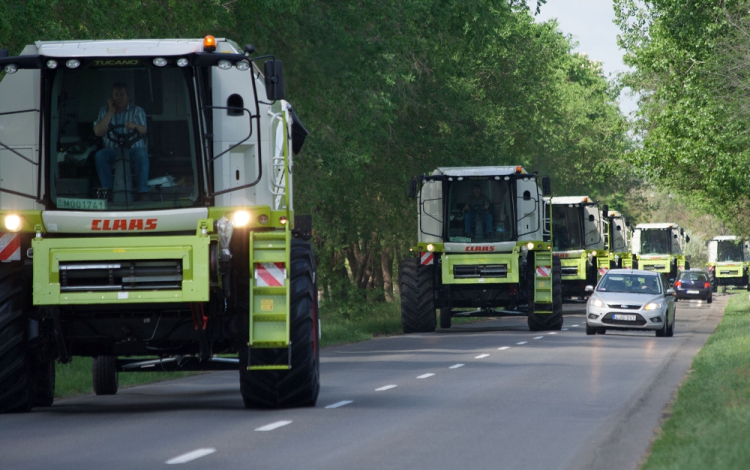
(630, 283)
(693, 277)
(655, 241)
(122, 138)
(729, 251)
(566, 227)
(480, 210)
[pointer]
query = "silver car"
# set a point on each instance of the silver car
(629, 299)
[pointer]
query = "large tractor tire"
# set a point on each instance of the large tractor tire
(712, 279)
(44, 380)
(445, 318)
(16, 363)
(547, 321)
(300, 385)
(417, 297)
(104, 374)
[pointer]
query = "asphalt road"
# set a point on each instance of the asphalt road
(488, 395)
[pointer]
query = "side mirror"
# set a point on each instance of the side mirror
(687, 239)
(546, 186)
(412, 188)
(274, 80)
(682, 231)
(605, 210)
(588, 289)
(670, 292)
(249, 48)
(627, 222)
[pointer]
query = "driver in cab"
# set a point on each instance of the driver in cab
(130, 118)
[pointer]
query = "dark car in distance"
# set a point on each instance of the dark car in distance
(693, 285)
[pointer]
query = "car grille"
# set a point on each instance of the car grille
(639, 320)
(625, 307)
(464, 271)
(121, 275)
(570, 270)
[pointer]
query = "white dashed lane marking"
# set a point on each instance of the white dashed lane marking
(192, 455)
(481, 356)
(386, 387)
(456, 366)
(522, 342)
(272, 426)
(424, 376)
(538, 337)
(553, 333)
(339, 404)
(574, 326)
(503, 348)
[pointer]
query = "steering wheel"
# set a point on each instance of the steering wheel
(123, 139)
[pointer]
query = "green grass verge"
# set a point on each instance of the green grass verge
(74, 378)
(708, 427)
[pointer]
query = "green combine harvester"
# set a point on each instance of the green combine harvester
(728, 262)
(619, 235)
(484, 250)
(659, 247)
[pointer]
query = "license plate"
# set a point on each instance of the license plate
(693, 292)
(81, 204)
(616, 316)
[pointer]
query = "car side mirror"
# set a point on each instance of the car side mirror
(274, 76)
(546, 186)
(413, 188)
(670, 292)
(588, 289)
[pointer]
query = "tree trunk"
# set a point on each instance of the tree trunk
(386, 266)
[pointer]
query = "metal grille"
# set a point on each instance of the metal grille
(570, 270)
(464, 271)
(121, 275)
(625, 307)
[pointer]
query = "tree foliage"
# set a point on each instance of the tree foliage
(389, 89)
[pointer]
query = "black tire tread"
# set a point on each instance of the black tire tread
(300, 385)
(16, 375)
(104, 375)
(417, 298)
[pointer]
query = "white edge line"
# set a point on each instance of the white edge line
(339, 404)
(456, 366)
(272, 426)
(503, 348)
(522, 342)
(386, 387)
(192, 455)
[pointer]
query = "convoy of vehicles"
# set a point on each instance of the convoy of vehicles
(483, 248)
(169, 240)
(579, 241)
(659, 248)
(195, 262)
(728, 262)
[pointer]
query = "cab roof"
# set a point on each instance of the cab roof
(660, 225)
(726, 237)
(479, 171)
(124, 48)
(571, 200)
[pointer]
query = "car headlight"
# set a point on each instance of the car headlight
(240, 218)
(596, 302)
(652, 306)
(13, 223)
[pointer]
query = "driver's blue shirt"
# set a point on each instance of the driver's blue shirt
(131, 114)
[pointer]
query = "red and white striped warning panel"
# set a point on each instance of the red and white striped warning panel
(427, 258)
(543, 271)
(270, 274)
(10, 247)
(603, 271)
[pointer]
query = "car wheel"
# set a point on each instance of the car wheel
(590, 330)
(670, 329)
(710, 299)
(662, 332)
(601, 331)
